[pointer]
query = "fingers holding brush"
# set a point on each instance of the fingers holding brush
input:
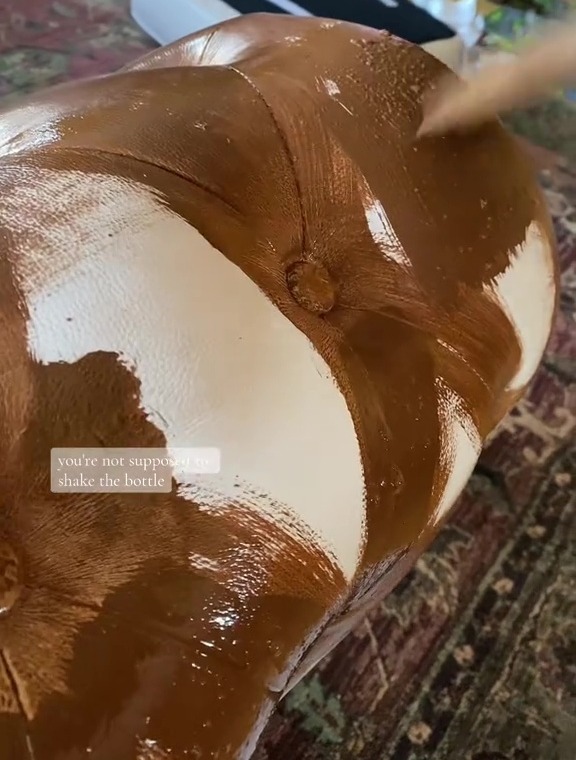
(446, 107)
(455, 105)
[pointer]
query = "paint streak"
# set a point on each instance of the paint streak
(382, 231)
(531, 271)
(461, 446)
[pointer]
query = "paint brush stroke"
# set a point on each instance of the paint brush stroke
(461, 445)
(526, 292)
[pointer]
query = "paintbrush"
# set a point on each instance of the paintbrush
(456, 105)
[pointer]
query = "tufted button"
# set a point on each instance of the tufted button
(10, 578)
(311, 286)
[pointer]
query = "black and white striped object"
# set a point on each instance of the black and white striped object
(400, 17)
(174, 19)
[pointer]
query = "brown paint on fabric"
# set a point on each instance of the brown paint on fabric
(314, 123)
(194, 652)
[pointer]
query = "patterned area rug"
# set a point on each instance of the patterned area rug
(474, 656)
